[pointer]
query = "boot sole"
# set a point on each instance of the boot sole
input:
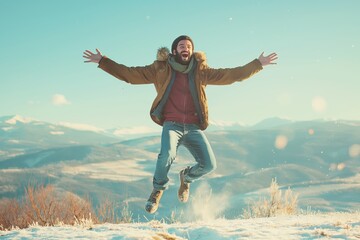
(181, 176)
(150, 209)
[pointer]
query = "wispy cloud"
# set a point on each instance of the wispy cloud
(33, 102)
(134, 130)
(222, 123)
(59, 100)
(57, 133)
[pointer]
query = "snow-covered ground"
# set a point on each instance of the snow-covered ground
(311, 226)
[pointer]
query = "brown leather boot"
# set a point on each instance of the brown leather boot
(184, 189)
(152, 203)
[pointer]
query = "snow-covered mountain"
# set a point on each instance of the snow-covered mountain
(20, 135)
(272, 122)
(227, 126)
(317, 159)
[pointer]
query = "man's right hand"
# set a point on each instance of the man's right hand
(92, 57)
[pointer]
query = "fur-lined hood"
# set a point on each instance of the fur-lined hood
(163, 54)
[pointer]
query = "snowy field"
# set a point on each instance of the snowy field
(312, 226)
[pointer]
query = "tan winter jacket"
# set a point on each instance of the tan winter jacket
(159, 74)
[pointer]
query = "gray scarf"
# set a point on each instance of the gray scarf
(180, 67)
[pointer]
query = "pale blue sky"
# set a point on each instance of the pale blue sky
(318, 43)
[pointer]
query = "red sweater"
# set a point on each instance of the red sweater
(180, 105)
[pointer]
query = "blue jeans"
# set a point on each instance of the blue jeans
(190, 136)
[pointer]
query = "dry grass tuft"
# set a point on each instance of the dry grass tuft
(44, 206)
(276, 204)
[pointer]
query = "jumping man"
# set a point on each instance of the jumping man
(180, 107)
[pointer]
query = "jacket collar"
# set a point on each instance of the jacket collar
(163, 55)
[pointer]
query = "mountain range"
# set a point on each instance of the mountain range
(319, 160)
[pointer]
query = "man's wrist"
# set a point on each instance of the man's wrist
(102, 57)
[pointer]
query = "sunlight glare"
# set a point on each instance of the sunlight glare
(319, 104)
(281, 142)
(311, 131)
(354, 150)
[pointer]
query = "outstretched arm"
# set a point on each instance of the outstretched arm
(133, 75)
(95, 58)
(266, 60)
(231, 75)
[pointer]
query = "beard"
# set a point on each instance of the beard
(182, 59)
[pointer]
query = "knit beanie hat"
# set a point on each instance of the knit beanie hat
(178, 39)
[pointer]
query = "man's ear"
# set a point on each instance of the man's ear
(174, 52)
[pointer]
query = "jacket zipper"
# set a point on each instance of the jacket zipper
(184, 92)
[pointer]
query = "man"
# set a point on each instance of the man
(180, 78)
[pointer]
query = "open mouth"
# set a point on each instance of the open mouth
(185, 54)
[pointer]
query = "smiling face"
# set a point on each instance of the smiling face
(184, 51)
